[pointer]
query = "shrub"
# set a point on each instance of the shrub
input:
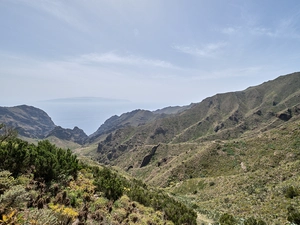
(41, 217)
(46, 160)
(6, 181)
(227, 219)
(11, 218)
(253, 221)
(291, 192)
(109, 183)
(293, 215)
(15, 197)
(64, 214)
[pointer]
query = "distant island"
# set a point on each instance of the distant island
(86, 100)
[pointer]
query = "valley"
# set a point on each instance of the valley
(232, 158)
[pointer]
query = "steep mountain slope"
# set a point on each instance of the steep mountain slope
(43, 184)
(75, 135)
(29, 121)
(34, 123)
(234, 153)
(134, 118)
(222, 116)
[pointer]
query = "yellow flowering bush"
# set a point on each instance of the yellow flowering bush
(64, 213)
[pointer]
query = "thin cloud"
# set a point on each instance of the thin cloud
(229, 30)
(285, 28)
(57, 9)
(209, 50)
(228, 73)
(113, 58)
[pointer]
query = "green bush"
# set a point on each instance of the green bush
(293, 215)
(109, 183)
(227, 219)
(174, 210)
(44, 160)
(291, 192)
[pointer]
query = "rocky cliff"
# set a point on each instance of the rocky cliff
(75, 135)
(27, 120)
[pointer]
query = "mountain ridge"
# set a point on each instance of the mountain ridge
(29, 121)
(32, 122)
(232, 155)
(221, 116)
(134, 118)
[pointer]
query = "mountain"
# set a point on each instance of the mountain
(134, 118)
(76, 134)
(223, 116)
(28, 120)
(172, 109)
(234, 156)
(31, 122)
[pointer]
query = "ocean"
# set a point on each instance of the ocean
(89, 115)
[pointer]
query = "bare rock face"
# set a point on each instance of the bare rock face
(76, 135)
(285, 115)
(148, 158)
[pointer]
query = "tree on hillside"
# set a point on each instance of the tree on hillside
(7, 133)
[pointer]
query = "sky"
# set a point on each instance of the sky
(161, 52)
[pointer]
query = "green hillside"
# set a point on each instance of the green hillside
(223, 116)
(232, 156)
(44, 184)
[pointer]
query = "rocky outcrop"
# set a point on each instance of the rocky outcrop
(148, 157)
(76, 135)
(27, 120)
(285, 116)
(135, 118)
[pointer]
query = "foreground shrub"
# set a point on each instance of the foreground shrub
(227, 219)
(108, 183)
(45, 160)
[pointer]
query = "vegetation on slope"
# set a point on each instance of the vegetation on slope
(248, 176)
(43, 184)
(222, 116)
(256, 176)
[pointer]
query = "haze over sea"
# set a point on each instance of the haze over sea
(88, 113)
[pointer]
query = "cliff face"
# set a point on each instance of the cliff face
(27, 120)
(76, 135)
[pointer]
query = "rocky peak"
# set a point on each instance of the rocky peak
(76, 135)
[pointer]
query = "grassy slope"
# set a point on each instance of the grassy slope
(243, 169)
(246, 176)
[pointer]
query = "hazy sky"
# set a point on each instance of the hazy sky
(171, 52)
